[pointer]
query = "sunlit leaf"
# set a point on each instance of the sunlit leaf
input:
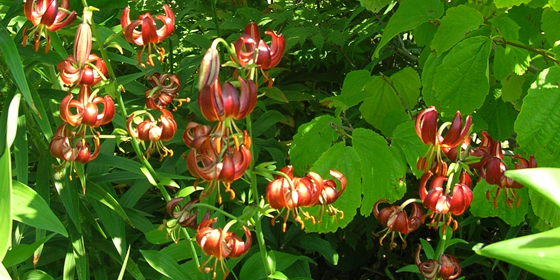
(454, 26)
(164, 264)
(481, 207)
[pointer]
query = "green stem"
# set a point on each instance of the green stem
(212, 207)
(133, 140)
(215, 17)
(254, 190)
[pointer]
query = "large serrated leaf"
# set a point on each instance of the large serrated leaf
(538, 126)
(500, 117)
(545, 181)
(345, 160)
(311, 141)
(353, 90)
(549, 24)
(382, 173)
(461, 81)
(411, 14)
(506, 26)
(405, 137)
(509, 3)
(454, 26)
(483, 208)
(428, 78)
(398, 92)
(31, 209)
(374, 5)
(512, 87)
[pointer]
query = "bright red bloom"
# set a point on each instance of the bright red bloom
(155, 131)
(214, 159)
(73, 75)
(395, 219)
(447, 267)
(265, 57)
(165, 89)
(443, 203)
(85, 109)
(220, 244)
(220, 104)
(185, 216)
(148, 35)
(209, 69)
(427, 130)
(45, 14)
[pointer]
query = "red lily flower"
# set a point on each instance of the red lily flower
(441, 202)
(395, 219)
(427, 130)
(86, 109)
(250, 48)
(64, 147)
(215, 161)
(209, 69)
(149, 35)
(220, 244)
(44, 14)
(447, 267)
(155, 131)
(196, 134)
(291, 193)
(217, 104)
(93, 71)
(184, 217)
(165, 89)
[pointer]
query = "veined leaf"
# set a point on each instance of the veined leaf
(374, 5)
(500, 117)
(507, 27)
(428, 77)
(21, 252)
(383, 175)
(36, 274)
(5, 202)
(454, 26)
(311, 141)
(31, 209)
(545, 181)
(461, 81)
(398, 92)
(345, 160)
(405, 137)
(538, 130)
(353, 90)
(483, 208)
(509, 3)
(411, 14)
(512, 87)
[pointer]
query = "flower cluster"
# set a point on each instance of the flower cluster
(290, 193)
(87, 110)
(446, 267)
(395, 220)
(491, 167)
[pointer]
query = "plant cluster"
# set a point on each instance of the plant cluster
(349, 140)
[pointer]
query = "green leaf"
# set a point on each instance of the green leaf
(555, 4)
(265, 121)
(13, 60)
(428, 77)
(382, 173)
(276, 94)
(536, 253)
(405, 137)
(411, 14)
(461, 81)
(509, 3)
(512, 87)
(545, 181)
(31, 209)
(164, 264)
(506, 26)
(454, 26)
(483, 208)
(374, 5)
(345, 160)
(538, 131)
(311, 141)
(544, 208)
(353, 90)
(390, 94)
(101, 195)
(549, 24)
(253, 268)
(21, 252)
(314, 243)
(36, 274)
(5, 201)
(500, 117)
(424, 33)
